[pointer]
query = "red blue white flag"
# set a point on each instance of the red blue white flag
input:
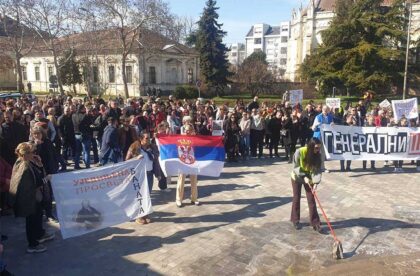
(200, 155)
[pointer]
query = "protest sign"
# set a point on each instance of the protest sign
(94, 199)
(370, 143)
(217, 128)
(385, 104)
(199, 155)
(407, 108)
(296, 97)
(333, 103)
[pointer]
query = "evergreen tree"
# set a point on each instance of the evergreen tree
(70, 69)
(362, 49)
(208, 42)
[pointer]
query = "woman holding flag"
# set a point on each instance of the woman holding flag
(188, 130)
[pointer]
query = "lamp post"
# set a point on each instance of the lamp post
(407, 51)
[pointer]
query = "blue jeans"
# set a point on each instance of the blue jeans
(245, 144)
(83, 143)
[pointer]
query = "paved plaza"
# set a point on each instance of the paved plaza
(243, 228)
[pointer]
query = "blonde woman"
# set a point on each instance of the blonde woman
(189, 130)
(26, 195)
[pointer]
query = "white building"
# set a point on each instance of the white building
(154, 62)
(308, 23)
(236, 54)
(272, 40)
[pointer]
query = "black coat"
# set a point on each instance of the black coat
(48, 156)
(66, 128)
(292, 131)
(274, 126)
(13, 134)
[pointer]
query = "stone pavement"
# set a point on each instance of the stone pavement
(243, 228)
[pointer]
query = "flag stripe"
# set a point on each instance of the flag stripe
(200, 153)
(197, 140)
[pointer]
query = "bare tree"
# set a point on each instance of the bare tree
(254, 76)
(50, 20)
(127, 18)
(93, 40)
(19, 39)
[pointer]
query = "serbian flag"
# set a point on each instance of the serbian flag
(200, 155)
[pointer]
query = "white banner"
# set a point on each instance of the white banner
(333, 103)
(296, 96)
(408, 108)
(370, 143)
(385, 104)
(97, 198)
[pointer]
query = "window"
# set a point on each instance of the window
(270, 41)
(190, 75)
(283, 61)
(258, 30)
(111, 73)
(24, 73)
(284, 39)
(37, 75)
(284, 29)
(233, 54)
(152, 75)
(95, 74)
(129, 73)
(50, 71)
(283, 50)
(257, 41)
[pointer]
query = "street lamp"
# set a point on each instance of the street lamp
(407, 48)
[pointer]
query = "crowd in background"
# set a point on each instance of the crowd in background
(92, 131)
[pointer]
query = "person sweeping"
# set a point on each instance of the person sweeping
(307, 164)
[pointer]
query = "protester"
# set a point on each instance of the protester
(257, 133)
(110, 148)
(142, 149)
(323, 118)
(26, 195)
(245, 125)
(307, 164)
(189, 130)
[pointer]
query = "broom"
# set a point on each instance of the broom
(337, 251)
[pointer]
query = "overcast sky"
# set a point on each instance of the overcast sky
(238, 16)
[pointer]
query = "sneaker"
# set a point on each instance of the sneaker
(179, 204)
(53, 219)
(46, 237)
(141, 221)
(196, 203)
(317, 228)
(36, 249)
(297, 225)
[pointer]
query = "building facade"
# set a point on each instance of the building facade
(307, 24)
(157, 63)
(273, 41)
(236, 54)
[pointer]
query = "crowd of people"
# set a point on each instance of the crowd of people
(41, 137)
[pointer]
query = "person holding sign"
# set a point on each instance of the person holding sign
(323, 118)
(307, 164)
